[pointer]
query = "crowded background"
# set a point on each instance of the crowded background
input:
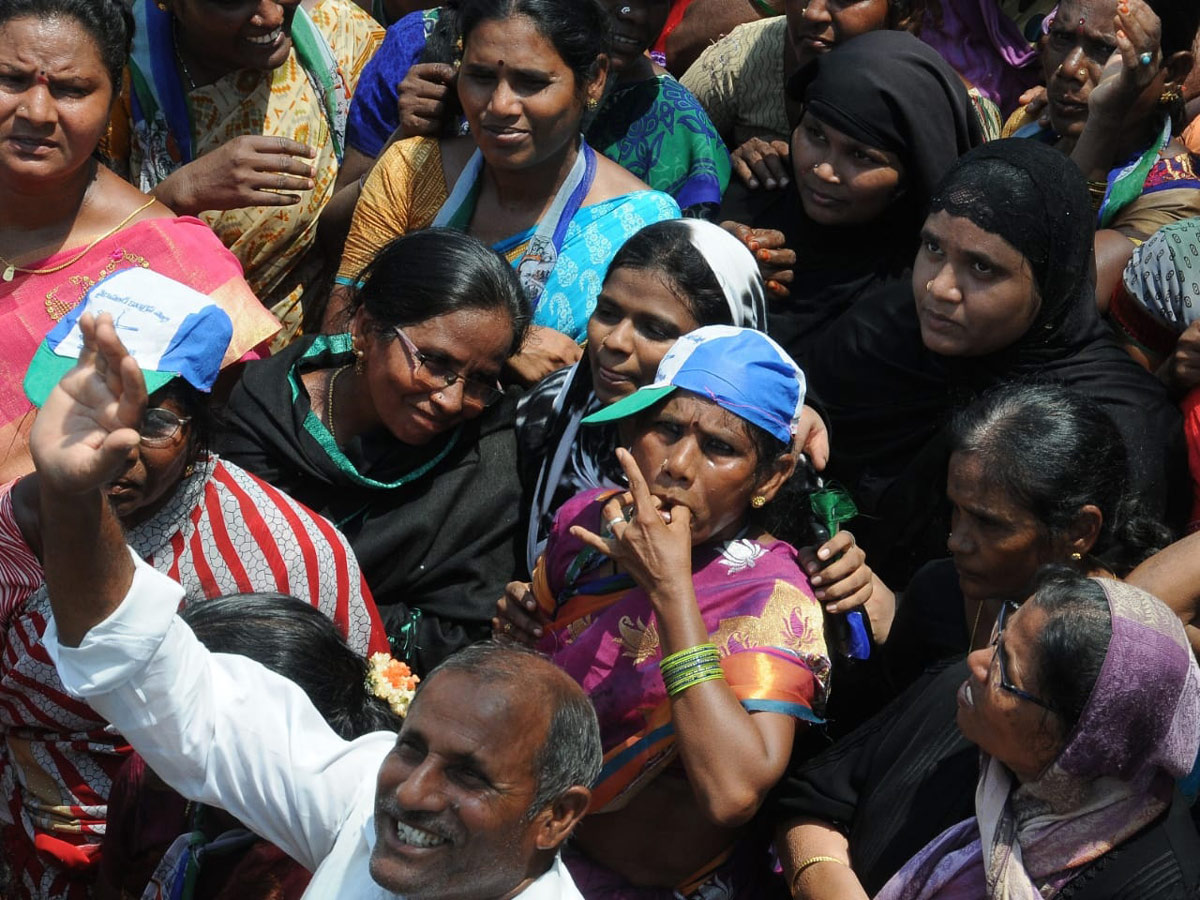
(689, 449)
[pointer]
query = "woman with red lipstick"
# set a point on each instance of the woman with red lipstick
(1115, 71)
(526, 182)
(399, 431)
(236, 112)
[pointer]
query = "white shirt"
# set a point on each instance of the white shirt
(224, 730)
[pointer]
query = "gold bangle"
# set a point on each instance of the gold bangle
(812, 861)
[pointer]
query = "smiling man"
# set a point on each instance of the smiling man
(487, 778)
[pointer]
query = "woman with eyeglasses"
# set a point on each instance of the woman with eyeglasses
(398, 431)
(207, 523)
(1044, 765)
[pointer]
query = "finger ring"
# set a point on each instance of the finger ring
(613, 521)
(508, 627)
(1146, 58)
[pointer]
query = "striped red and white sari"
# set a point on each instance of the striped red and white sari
(223, 532)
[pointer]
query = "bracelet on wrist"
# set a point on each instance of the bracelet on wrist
(812, 861)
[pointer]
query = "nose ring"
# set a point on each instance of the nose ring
(929, 285)
(626, 10)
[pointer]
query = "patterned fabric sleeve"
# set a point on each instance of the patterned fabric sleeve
(403, 193)
(20, 571)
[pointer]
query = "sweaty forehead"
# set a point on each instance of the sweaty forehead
(58, 45)
(466, 714)
(706, 413)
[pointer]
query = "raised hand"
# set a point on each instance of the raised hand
(655, 545)
(422, 96)
(1126, 76)
(88, 424)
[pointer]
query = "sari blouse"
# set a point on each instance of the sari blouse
(407, 188)
(277, 245)
(30, 305)
(757, 607)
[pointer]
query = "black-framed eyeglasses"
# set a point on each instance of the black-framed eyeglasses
(436, 375)
(998, 657)
(161, 426)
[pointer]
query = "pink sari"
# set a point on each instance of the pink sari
(184, 249)
(756, 604)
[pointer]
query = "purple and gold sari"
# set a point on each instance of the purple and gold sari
(757, 607)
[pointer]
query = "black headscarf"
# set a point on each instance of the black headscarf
(887, 396)
(889, 90)
(1037, 200)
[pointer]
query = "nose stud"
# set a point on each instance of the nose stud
(626, 10)
(929, 285)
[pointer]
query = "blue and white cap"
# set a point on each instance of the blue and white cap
(171, 330)
(739, 369)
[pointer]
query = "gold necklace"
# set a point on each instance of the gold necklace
(329, 401)
(11, 269)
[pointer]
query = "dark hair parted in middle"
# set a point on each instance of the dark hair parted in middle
(580, 30)
(1054, 451)
(667, 249)
(435, 272)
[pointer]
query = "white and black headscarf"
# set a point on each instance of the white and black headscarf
(558, 459)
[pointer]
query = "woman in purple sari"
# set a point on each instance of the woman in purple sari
(692, 628)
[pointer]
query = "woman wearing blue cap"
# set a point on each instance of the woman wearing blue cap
(693, 629)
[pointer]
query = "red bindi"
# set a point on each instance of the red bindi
(41, 78)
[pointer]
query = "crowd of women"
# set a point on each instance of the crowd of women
(588, 325)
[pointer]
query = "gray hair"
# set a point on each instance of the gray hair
(571, 754)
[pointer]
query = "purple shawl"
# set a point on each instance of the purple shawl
(1138, 733)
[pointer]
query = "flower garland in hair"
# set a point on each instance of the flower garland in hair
(392, 681)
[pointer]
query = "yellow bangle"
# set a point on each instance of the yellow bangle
(812, 861)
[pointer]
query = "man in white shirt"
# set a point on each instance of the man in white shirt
(486, 779)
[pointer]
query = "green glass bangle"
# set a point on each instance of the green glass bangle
(707, 668)
(678, 671)
(765, 9)
(688, 653)
(676, 689)
(672, 662)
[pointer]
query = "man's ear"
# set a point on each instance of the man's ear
(558, 820)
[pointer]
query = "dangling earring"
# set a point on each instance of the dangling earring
(190, 470)
(360, 360)
(759, 501)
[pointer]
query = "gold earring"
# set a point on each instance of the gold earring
(759, 502)
(161, 6)
(1172, 94)
(191, 468)
(1076, 557)
(593, 104)
(360, 360)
